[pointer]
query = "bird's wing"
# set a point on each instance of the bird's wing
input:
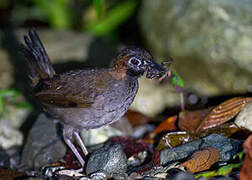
(73, 89)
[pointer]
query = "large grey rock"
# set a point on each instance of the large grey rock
(44, 145)
(210, 40)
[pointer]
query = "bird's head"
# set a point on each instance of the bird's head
(135, 61)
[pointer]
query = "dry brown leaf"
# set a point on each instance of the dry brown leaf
(223, 113)
(246, 171)
(190, 120)
(8, 174)
(167, 125)
(136, 118)
(202, 160)
(174, 139)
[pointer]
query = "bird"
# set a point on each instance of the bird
(86, 98)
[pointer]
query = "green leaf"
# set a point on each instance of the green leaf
(113, 18)
(177, 80)
(9, 93)
(220, 172)
(98, 4)
(228, 168)
(57, 11)
(240, 155)
(24, 105)
(1, 106)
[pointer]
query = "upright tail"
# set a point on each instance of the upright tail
(37, 58)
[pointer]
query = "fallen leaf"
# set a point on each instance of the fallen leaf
(136, 118)
(202, 160)
(167, 125)
(227, 130)
(246, 171)
(174, 139)
(190, 120)
(223, 113)
(8, 174)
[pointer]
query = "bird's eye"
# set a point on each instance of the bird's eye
(134, 61)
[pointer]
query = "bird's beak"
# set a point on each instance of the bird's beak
(155, 70)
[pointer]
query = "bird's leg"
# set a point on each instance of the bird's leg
(80, 142)
(67, 135)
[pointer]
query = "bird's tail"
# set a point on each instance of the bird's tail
(37, 58)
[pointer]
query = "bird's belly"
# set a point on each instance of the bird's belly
(82, 118)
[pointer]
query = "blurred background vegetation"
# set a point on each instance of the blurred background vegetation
(99, 17)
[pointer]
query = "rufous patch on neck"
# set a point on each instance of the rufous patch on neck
(119, 69)
(119, 75)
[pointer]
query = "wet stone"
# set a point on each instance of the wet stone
(44, 145)
(4, 159)
(108, 159)
(184, 176)
(226, 147)
(173, 172)
(218, 49)
(180, 152)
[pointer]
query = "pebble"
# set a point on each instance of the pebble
(107, 160)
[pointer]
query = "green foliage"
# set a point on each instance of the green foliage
(99, 17)
(11, 94)
(57, 12)
(3, 3)
(98, 4)
(177, 81)
(220, 172)
(113, 18)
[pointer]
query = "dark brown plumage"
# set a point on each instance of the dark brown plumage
(86, 99)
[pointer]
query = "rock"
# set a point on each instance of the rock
(160, 172)
(97, 136)
(43, 146)
(108, 159)
(210, 41)
(152, 97)
(4, 159)
(15, 115)
(184, 176)
(180, 152)
(9, 136)
(226, 147)
(244, 118)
